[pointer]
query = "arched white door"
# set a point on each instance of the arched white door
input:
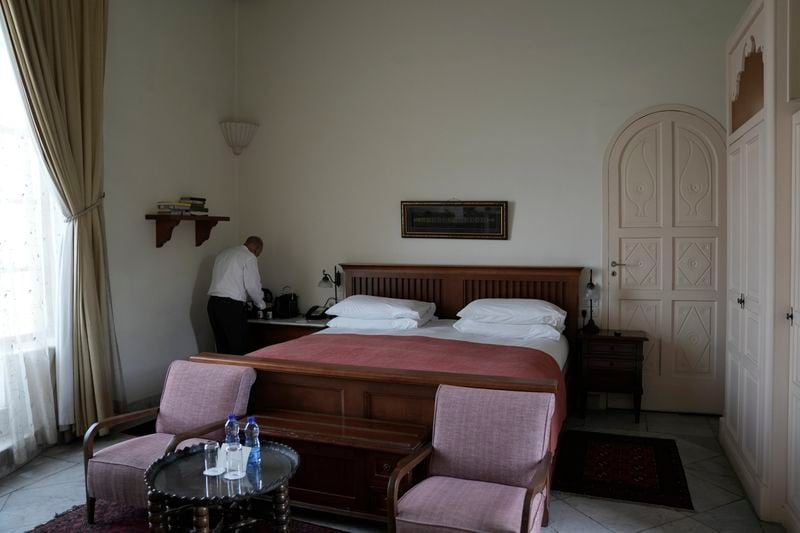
(665, 251)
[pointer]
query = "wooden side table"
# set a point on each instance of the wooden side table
(266, 332)
(176, 482)
(611, 361)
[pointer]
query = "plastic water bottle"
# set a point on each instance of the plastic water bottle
(251, 431)
(232, 430)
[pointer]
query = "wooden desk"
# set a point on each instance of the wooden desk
(263, 332)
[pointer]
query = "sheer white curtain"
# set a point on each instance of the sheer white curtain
(31, 224)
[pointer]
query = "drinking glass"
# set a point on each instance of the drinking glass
(211, 451)
(234, 468)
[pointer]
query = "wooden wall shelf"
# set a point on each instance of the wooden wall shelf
(166, 223)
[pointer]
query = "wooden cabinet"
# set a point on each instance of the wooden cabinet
(793, 467)
(613, 363)
(748, 318)
(345, 462)
(262, 332)
(753, 430)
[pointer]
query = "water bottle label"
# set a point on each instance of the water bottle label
(254, 459)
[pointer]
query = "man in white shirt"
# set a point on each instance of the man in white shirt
(235, 278)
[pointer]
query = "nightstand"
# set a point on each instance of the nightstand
(613, 363)
(263, 332)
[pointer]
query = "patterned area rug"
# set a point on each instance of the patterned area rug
(621, 467)
(111, 517)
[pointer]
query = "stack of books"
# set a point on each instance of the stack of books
(187, 205)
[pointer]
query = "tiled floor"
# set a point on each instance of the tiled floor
(50, 484)
(717, 496)
(53, 482)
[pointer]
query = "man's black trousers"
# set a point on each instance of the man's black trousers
(229, 322)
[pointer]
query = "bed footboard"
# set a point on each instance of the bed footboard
(375, 393)
(322, 402)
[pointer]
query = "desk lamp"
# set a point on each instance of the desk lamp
(329, 281)
(590, 328)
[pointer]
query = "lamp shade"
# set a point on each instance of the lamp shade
(590, 292)
(238, 134)
(590, 287)
(326, 281)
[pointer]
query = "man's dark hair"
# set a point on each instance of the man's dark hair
(252, 239)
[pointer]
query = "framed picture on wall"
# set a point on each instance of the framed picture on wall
(455, 220)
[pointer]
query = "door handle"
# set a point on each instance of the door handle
(615, 264)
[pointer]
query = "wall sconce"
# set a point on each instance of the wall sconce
(591, 328)
(238, 134)
(329, 281)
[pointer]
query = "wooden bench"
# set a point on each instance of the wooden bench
(345, 462)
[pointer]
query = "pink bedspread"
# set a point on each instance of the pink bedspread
(426, 354)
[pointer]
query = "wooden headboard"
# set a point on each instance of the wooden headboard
(452, 287)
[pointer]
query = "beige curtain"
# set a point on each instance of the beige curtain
(60, 50)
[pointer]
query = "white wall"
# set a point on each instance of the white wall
(169, 80)
(363, 104)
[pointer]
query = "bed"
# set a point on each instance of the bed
(302, 376)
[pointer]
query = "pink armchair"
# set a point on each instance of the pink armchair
(195, 402)
(489, 465)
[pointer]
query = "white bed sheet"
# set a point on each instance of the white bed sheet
(443, 329)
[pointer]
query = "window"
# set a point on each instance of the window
(31, 224)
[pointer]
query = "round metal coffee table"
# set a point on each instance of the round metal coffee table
(176, 483)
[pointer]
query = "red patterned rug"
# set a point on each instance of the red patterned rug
(621, 467)
(111, 517)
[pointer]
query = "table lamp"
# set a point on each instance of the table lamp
(329, 281)
(590, 328)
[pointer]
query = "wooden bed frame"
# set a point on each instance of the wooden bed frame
(400, 396)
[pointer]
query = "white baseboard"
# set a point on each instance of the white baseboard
(753, 487)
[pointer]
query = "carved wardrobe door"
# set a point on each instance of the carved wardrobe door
(665, 179)
(793, 482)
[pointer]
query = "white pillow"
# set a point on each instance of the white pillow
(376, 323)
(522, 331)
(515, 311)
(363, 306)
